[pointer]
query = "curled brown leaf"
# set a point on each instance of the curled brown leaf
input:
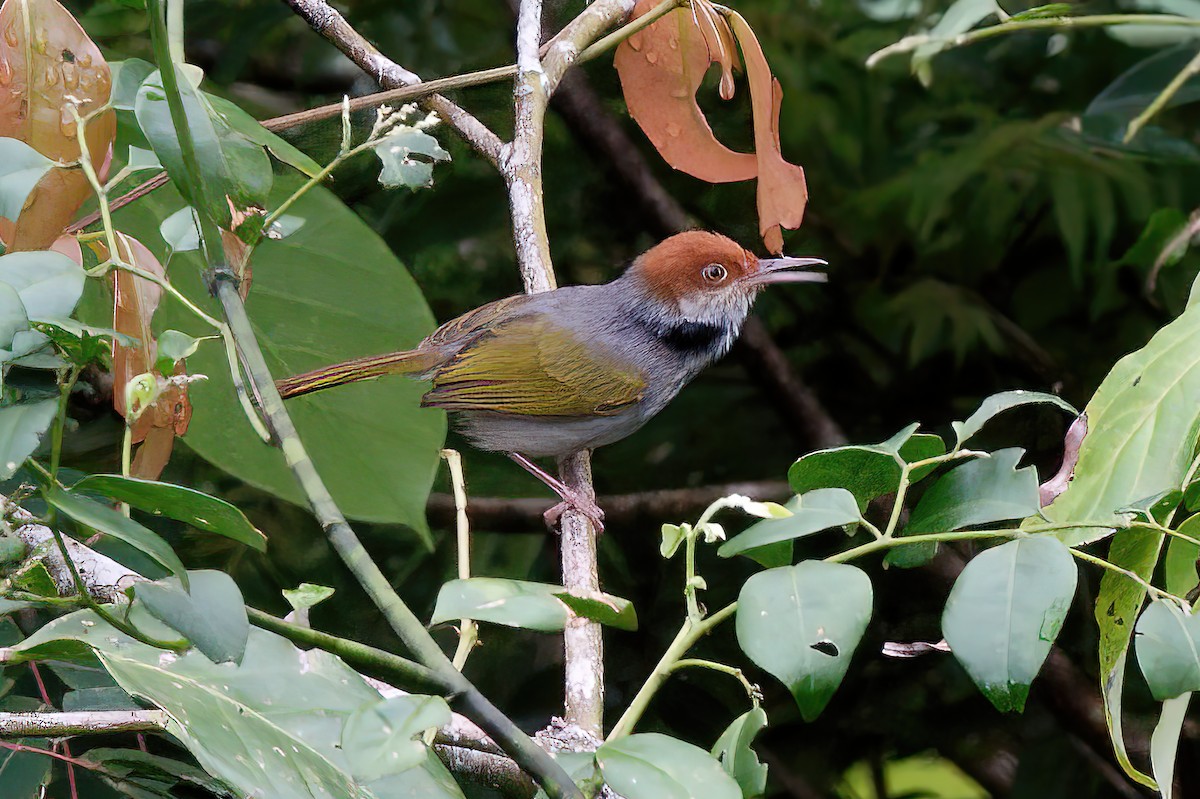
(135, 300)
(662, 67)
(48, 66)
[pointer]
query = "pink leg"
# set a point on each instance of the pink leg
(571, 498)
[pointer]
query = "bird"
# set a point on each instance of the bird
(579, 367)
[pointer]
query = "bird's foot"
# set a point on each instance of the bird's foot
(576, 502)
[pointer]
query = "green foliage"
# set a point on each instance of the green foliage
(103, 519)
(865, 471)
(1144, 411)
(270, 699)
(378, 738)
(654, 766)
(979, 492)
(801, 623)
(1004, 613)
(184, 504)
(1167, 640)
(232, 166)
(812, 512)
(736, 756)
(21, 167)
(22, 426)
(210, 613)
(520, 603)
(373, 443)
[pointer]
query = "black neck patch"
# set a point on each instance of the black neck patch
(690, 338)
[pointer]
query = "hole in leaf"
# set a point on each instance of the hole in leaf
(826, 647)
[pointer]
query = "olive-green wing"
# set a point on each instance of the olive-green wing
(531, 366)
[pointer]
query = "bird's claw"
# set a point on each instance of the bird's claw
(553, 516)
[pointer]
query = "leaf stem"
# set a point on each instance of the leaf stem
(909, 43)
(752, 691)
(1164, 97)
(685, 639)
(468, 630)
(60, 419)
(1112, 567)
(393, 669)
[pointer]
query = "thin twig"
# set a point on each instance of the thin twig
(325, 20)
(468, 630)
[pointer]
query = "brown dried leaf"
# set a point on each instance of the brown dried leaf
(46, 58)
(661, 69)
(134, 303)
(782, 190)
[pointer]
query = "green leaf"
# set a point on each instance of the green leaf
(999, 403)
(373, 444)
(515, 603)
(1117, 604)
(1142, 431)
(106, 520)
(287, 707)
(173, 347)
(306, 595)
(654, 766)
(1004, 612)
(232, 167)
(1164, 743)
(378, 738)
(672, 536)
(127, 78)
(1043, 12)
(1166, 641)
(141, 159)
(211, 614)
(519, 603)
(107, 698)
(13, 318)
(24, 773)
(978, 492)
(180, 232)
(248, 126)
(1180, 563)
(736, 756)
(812, 512)
(865, 471)
(801, 623)
(608, 610)
(130, 770)
(960, 17)
(400, 168)
(36, 580)
(21, 169)
(49, 285)
(177, 502)
(21, 429)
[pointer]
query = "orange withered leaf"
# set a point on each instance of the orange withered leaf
(47, 64)
(662, 67)
(134, 303)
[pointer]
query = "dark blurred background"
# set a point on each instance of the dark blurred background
(984, 233)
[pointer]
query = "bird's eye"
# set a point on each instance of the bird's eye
(714, 273)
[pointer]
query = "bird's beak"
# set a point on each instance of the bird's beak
(781, 270)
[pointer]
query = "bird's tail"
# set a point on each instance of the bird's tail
(408, 362)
